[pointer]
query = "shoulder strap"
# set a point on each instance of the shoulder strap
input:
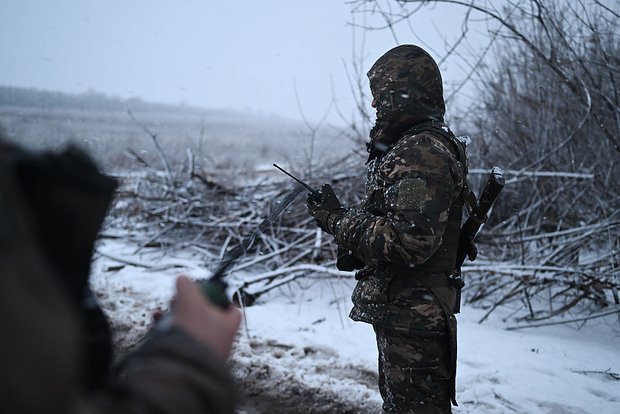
(442, 129)
(458, 148)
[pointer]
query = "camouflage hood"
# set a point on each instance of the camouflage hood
(407, 87)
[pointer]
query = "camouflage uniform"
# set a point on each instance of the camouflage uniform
(406, 233)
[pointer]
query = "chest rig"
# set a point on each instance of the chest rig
(444, 259)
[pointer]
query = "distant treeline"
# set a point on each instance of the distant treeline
(93, 101)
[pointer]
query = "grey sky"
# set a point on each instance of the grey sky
(215, 54)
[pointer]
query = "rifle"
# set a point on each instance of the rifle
(477, 217)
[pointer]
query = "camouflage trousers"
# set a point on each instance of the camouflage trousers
(414, 371)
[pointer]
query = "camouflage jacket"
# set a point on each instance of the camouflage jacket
(401, 223)
(408, 222)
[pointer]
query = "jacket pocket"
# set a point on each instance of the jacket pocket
(372, 291)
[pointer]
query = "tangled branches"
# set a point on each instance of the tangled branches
(193, 210)
(538, 260)
(543, 275)
(549, 275)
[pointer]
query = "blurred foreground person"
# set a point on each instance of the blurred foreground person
(55, 347)
(405, 233)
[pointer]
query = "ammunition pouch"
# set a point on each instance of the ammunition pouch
(457, 283)
(447, 290)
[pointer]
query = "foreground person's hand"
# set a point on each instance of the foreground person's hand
(193, 313)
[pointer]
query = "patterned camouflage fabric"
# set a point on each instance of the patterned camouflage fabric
(406, 232)
(403, 79)
(406, 370)
(407, 87)
(409, 192)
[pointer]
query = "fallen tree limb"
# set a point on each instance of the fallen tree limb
(583, 319)
(136, 263)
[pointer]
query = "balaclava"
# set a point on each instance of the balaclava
(407, 87)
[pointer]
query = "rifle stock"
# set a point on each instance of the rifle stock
(479, 216)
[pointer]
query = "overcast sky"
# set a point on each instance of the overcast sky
(243, 54)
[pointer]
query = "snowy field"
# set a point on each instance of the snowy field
(298, 352)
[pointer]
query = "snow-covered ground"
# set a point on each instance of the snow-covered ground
(298, 352)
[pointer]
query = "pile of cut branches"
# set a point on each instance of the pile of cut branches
(191, 209)
(546, 274)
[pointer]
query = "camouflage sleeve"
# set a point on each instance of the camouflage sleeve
(422, 179)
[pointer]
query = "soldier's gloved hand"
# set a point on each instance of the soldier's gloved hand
(326, 211)
(347, 261)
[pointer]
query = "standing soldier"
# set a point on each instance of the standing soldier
(404, 235)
